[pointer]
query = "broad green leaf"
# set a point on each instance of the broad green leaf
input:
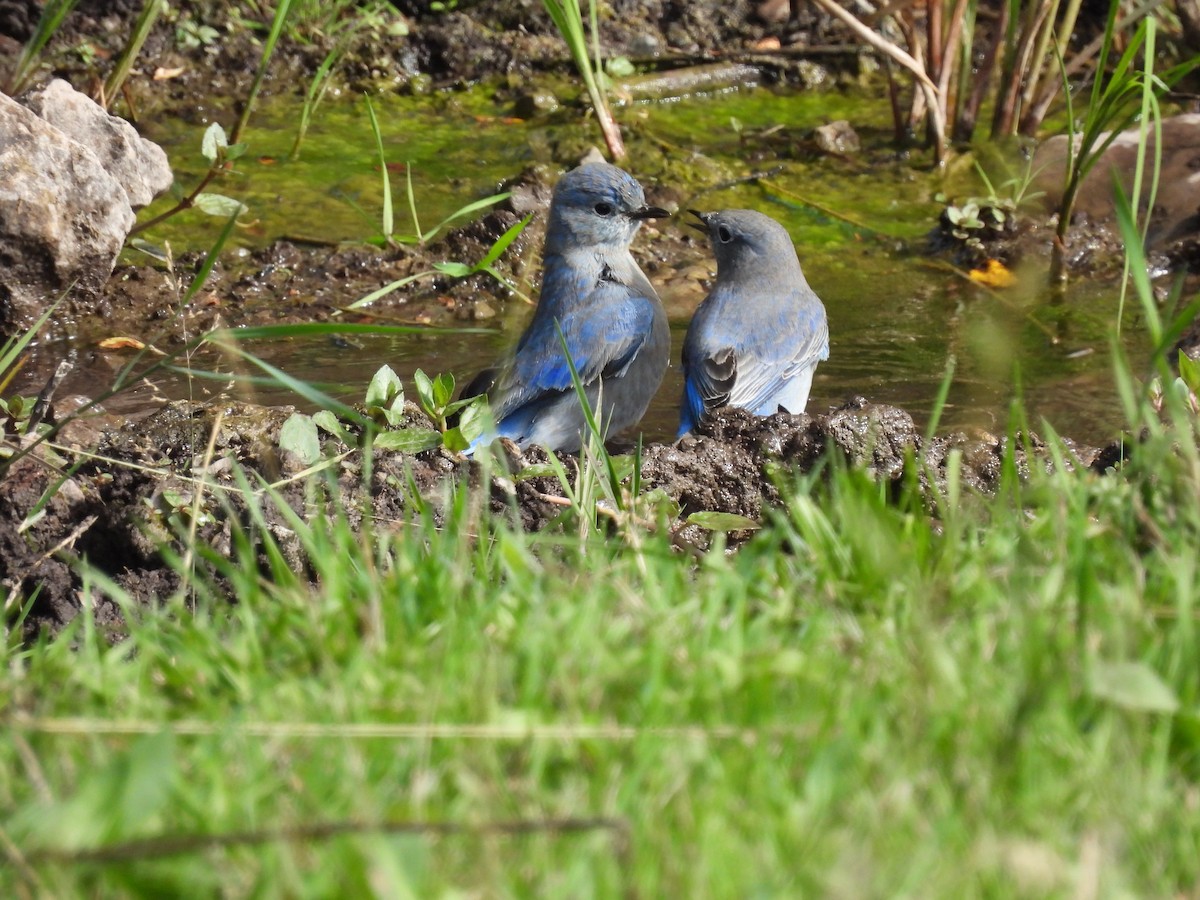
(454, 440)
(328, 422)
(384, 387)
(473, 419)
(146, 786)
(1132, 685)
(214, 142)
(424, 391)
(409, 440)
(721, 521)
(299, 435)
(456, 405)
(219, 205)
(443, 390)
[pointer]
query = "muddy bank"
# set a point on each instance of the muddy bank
(149, 483)
(201, 53)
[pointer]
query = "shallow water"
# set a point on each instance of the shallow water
(895, 317)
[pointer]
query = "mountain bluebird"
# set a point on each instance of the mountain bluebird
(759, 334)
(612, 321)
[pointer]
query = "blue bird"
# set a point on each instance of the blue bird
(613, 323)
(757, 338)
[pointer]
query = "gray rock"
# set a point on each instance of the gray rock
(838, 137)
(70, 175)
(139, 166)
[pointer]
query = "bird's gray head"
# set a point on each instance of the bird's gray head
(596, 204)
(743, 239)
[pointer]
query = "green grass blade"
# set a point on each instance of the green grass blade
(387, 223)
(282, 9)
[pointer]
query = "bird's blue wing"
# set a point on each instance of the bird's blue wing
(764, 374)
(710, 372)
(751, 362)
(603, 332)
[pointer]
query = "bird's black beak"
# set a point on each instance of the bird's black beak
(703, 217)
(649, 212)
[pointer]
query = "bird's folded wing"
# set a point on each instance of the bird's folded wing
(710, 379)
(759, 377)
(603, 334)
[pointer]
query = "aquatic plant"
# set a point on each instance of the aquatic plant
(979, 220)
(385, 423)
(214, 147)
(568, 19)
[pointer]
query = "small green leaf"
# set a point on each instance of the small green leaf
(454, 440)
(219, 205)
(1189, 371)
(299, 435)
(214, 142)
(454, 406)
(384, 387)
(473, 419)
(174, 499)
(443, 390)
(236, 151)
(424, 391)
(619, 67)
(328, 422)
(721, 521)
(1132, 685)
(409, 440)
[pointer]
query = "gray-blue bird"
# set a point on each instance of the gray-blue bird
(614, 325)
(757, 338)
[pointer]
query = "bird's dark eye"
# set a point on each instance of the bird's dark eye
(724, 235)
(604, 209)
